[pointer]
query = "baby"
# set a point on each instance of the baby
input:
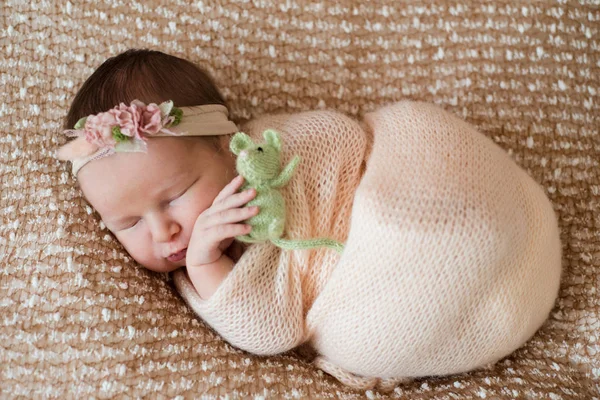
(188, 182)
(452, 257)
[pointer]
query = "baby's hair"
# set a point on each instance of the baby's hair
(150, 76)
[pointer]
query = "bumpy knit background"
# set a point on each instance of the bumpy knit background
(78, 318)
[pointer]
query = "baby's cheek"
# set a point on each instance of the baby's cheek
(138, 247)
(195, 206)
(188, 215)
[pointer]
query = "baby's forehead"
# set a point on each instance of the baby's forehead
(110, 182)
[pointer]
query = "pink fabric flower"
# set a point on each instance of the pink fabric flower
(98, 129)
(151, 122)
(128, 118)
(136, 121)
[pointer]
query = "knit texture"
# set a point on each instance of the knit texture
(80, 319)
(452, 260)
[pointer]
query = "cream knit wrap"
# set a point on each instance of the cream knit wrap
(452, 257)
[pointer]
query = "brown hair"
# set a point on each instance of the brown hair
(150, 76)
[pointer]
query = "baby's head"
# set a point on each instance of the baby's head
(151, 200)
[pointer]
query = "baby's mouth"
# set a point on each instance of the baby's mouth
(177, 256)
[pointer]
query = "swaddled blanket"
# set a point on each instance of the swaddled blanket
(452, 255)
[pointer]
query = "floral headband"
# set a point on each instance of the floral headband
(126, 128)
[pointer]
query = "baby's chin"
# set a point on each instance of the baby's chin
(167, 266)
(234, 251)
(172, 266)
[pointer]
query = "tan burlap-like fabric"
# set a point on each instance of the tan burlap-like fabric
(78, 318)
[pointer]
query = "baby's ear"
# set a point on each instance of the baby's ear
(272, 138)
(239, 142)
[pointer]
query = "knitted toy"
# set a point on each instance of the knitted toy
(260, 167)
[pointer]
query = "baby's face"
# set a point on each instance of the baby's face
(150, 201)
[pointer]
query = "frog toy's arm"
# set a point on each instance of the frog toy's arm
(286, 174)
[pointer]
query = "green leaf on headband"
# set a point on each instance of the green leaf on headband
(178, 114)
(80, 123)
(118, 136)
(165, 108)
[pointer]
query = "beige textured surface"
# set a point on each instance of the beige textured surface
(78, 318)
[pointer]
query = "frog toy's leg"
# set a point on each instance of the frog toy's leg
(276, 228)
(355, 381)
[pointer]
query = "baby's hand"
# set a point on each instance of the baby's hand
(216, 227)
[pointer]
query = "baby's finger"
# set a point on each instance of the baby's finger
(221, 232)
(229, 189)
(234, 201)
(229, 216)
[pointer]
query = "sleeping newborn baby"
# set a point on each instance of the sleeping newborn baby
(451, 259)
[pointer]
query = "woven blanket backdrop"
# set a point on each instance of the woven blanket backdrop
(79, 318)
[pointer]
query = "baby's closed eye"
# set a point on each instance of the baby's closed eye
(131, 225)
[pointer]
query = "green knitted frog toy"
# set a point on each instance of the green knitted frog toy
(260, 166)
